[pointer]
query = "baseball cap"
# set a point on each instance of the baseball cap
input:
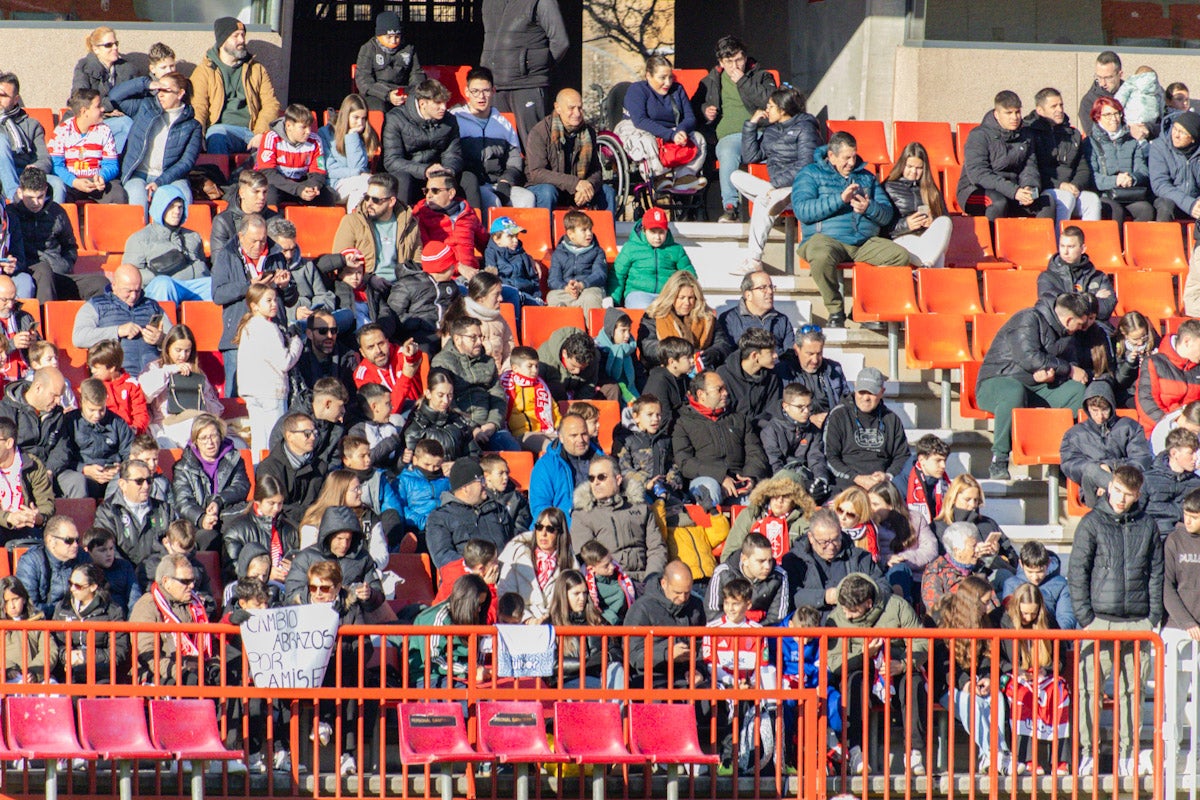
(655, 218)
(870, 380)
(505, 225)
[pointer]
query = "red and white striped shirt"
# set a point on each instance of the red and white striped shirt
(291, 160)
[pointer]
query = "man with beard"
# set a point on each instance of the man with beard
(562, 163)
(443, 217)
(477, 389)
(381, 234)
(233, 97)
(323, 357)
(393, 367)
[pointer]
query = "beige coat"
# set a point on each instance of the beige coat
(208, 94)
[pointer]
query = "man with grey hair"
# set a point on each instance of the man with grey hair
(172, 599)
(820, 375)
(45, 569)
(246, 259)
(818, 563)
(755, 310)
(841, 208)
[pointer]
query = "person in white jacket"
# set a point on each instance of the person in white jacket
(531, 563)
(265, 354)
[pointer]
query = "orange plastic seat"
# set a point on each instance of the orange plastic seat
(1026, 242)
(432, 733)
(603, 228)
(871, 139)
(984, 328)
(1156, 246)
(315, 228)
(971, 244)
(536, 222)
(509, 313)
(31, 306)
(538, 323)
(1008, 291)
(199, 219)
(204, 319)
(690, 79)
(1186, 17)
(948, 177)
(417, 585)
(968, 405)
(936, 137)
(1136, 20)
(46, 117)
(218, 160)
(520, 467)
(59, 318)
(453, 77)
(1037, 434)
(610, 417)
(964, 130)
(1103, 239)
(514, 732)
(1152, 293)
(596, 319)
(106, 228)
(592, 733)
(948, 291)
(935, 341)
(883, 294)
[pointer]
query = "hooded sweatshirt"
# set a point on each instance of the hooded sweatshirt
(860, 443)
(159, 249)
(357, 565)
(617, 359)
(1117, 442)
(1181, 579)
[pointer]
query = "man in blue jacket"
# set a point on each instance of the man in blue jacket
(841, 208)
(45, 570)
(562, 467)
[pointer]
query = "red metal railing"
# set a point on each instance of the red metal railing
(371, 671)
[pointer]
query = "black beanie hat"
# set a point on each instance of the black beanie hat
(224, 27)
(464, 471)
(1190, 122)
(388, 22)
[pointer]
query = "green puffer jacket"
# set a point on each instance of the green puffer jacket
(642, 268)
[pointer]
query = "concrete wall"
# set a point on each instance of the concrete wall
(46, 65)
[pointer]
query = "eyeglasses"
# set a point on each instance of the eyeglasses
(185, 581)
(805, 330)
(108, 45)
(8, 299)
(847, 512)
(800, 407)
(208, 437)
(603, 476)
(323, 330)
(68, 539)
(480, 92)
(766, 287)
(320, 588)
(306, 432)
(827, 542)
(542, 526)
(1110, 114)
(138, 481)
(75, 585)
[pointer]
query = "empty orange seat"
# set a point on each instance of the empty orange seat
(948, 291)
(315, 228)
(690, 79)
(59, 318)
(1037, 434)
(935, 137)
(106, 228)
(199, 219)
(1008, 291)
(204, 319)
(871, 139)
(1026, 242)
(1152, 293)
(984, 328)
(1103, 240)
(218, 160)
(536, 222)
(45, 116)
(963, 131)
(539, 322)
(1156, 246)
(948, 179)
(968, 406)
(883, 294)
(935, 341)
(453, 78)
(971, 244)
(603, 228)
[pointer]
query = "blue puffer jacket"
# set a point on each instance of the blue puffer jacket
(817, 201)
(46, 578)
(1174, 175)
(339, 166)
(413, 496)
(1110, 157)
(183, 139)
(1055, 593)
(589, 267)
(515, 267)
(552, 482)
(105, 443)
(786, 147)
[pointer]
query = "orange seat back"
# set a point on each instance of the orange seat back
(1009, 290)
(538, 323)
(1037, 434)
(1026, 242)
(520, 467)
(984, 328)
(536, 222)
(1156, 246)
(603, 228)
(883, 294)
(970, 242)
(107, 226)
(870, 136)
(1103, 239)
(315, 228)
(935, 341)
(935, 137)
(204, 319)
(948, 291)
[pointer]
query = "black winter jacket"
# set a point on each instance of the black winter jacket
(249, 528)
(411, 143)
(380, 70)
(300, 485)
(105, 443)
(1060, 277)
(230, 282)
(1116, 569)
(717, 448)
(828, 385)
(47, 236)
(1164, 490)
(224, 225)
(451, 429)
(772, 598)
(1031, 340)
(91, 74)
(357, 566)
(789, 445)
(859, 444)
(786, 146)
(107, 652)
(329, 435)
(653, 609)
(1117, 442)
(644, 455)
(450, 525)
(194, 491)
(1059, 152)
(997, 159)
(810, 576)
(522, 41)
(906, 199)
(136, 541)
(671, 393)
(419, 303)
(45, 436)
(756, 396)
(308, 370)
(754, 88)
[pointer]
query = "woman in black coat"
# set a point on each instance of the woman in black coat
(259, 524)
(436, 418)
(89, 601)
(102, 69)
(211, 482)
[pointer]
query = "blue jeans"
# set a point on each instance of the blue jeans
(230, 359)
(165, 288)
(502, 440)
(25, 285)
(10, 175)
(120, 127)
(227, 139)
(547, 195)
(729, 153)
(135, 188)
(639, 299)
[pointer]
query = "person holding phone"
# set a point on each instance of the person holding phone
(125, 313)
(921, 226)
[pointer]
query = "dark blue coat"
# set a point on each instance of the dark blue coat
(111, 311)
(818, 204)
(661, 116)
(589, 267)
(515, 267)
(183, 139)
(786, 146)
(46, 578)
(1174, 175)
(105, 443)
(230, 282)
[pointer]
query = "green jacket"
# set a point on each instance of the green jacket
(437, 615)
(642, 268)
(893, 612)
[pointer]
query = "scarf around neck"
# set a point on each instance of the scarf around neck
(710, 414)
(515, 385)
(546, 564)
(917, 499)
(589, 577)
(195, 646)
(12, 488)
(866, 537)
(16, 136)
(583, 143)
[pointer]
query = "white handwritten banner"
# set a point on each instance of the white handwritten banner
(289, 647)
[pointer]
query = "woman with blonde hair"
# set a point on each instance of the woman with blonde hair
(679, 310)
(853, 509)
(778, 508)
(920, 226)
(343, 488)
(102, 69)
(349, 143)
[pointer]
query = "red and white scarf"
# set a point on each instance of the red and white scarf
(543, 402)
(12, 487)
(589, 576)
(198, 646)
(918, 501)
(776, 531)
(546, 564)
(254, 266)
(865, 536)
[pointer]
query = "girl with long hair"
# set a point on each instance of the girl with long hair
(88, 600)
(177, 390)
(921, 226)
(853, 509)
(342, 488)
(29, 656)
(913, 545)
(436, 418)
(483, 303)
(679, 310)
(582, 656)
(265, 355)
(1136, 340)
(467, 605)
(349, 143)
(1042, 698)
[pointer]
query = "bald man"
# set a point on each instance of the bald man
(126, 314)
(555, 169)
(41, 425)
(667, 602)
(18, 324)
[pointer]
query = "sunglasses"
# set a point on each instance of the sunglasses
(541, 526)
(75, 585)
(603, 476)
(372, 199)
(320, 588)
(807, 329)
(138, 481)
(323, 330)
(107, 45)
(68, 539)
(185, 581)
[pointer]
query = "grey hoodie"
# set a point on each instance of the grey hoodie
(159, 249)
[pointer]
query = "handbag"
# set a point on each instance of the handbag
(672, 155)
(1127, 194)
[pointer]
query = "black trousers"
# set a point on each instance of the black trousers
(1000, 206)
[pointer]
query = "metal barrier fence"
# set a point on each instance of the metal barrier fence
(782, 739)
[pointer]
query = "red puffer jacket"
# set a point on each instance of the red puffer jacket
(1167, 382)
(458, 227)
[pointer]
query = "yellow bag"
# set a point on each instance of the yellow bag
(693, 544)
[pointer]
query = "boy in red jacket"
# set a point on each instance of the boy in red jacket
(125, 397)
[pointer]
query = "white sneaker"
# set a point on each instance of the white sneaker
(689, 183)
(324, 732)
(235, 767)
(349, 766)
(283, 760)
(856, 760)
(1126, 767)
(1086, 766)
(1003, 763)
(256, 763)
(746, 267)
(915, 762)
